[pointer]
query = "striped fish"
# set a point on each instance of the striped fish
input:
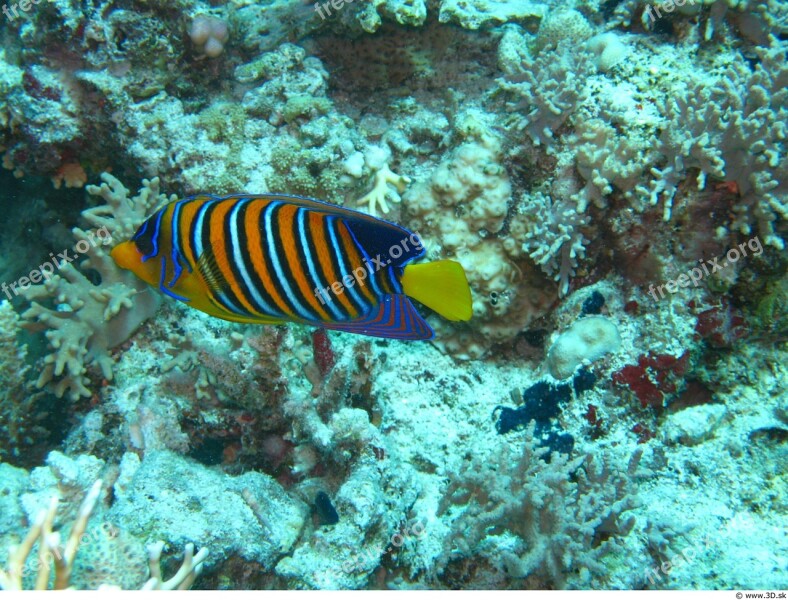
(275, 258)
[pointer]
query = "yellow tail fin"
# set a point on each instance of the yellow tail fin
(442, 286)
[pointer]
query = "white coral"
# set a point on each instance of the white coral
(543, 91)
(388, 185)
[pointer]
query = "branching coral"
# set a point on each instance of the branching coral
(387, 185)
(608, 162)
(532, 518)
(690, 141)
(49, 547)
(543, 91)
(83, 320)
(733, 129)
(186, 574)
(554, 239)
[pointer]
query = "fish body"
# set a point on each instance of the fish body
(275, 258)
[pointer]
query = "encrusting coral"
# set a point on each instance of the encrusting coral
(465, 204)
(82, 320)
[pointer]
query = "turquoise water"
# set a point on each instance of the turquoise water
(394, 295)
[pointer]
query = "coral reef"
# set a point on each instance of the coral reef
(557, 519)
(472, 183)
(19, 425)
(545, 90)
(612, 177)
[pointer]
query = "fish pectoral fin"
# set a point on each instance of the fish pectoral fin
(211, 272)
(394, 318)
(442, 286)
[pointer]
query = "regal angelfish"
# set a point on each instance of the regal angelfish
(273, 258)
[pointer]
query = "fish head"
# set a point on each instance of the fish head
(128, 256)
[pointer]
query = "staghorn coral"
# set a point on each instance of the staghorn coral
(82, 321)
(49, 547)
(65, 565)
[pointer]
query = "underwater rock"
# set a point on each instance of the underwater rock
(694, 424)
(474, 14)
(166, 496)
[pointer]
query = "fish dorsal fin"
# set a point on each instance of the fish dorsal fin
(395, 246)
(376, 236)
(317, 206)
(394, 318)
(211, 272)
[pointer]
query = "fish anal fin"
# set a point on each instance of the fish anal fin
(394, 318)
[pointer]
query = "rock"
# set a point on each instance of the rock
(693, 425)
(181, 501)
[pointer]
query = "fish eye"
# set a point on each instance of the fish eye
(143, 239)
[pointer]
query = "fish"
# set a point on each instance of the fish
(275, 258)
